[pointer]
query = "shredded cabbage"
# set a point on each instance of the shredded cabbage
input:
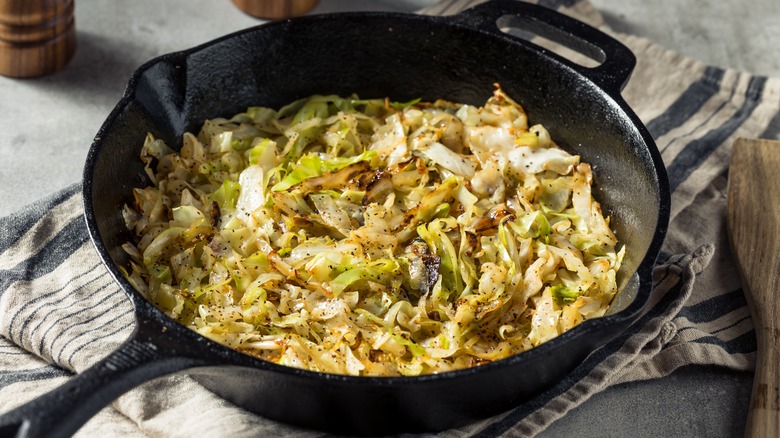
(369, 237)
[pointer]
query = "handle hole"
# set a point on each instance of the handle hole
(553, 39)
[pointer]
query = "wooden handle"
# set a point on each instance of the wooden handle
(275, 9)
(37, 37)
(754, 230)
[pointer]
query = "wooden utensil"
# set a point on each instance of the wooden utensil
(753, 215)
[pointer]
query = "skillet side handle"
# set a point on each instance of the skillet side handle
(617, 62)
(61, 412)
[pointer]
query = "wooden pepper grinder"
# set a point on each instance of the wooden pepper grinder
(37, 37)
(275, 9)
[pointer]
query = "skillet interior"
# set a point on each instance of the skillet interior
(404, 57)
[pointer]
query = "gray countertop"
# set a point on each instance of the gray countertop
(47, 125)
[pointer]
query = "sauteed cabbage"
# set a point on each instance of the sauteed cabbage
(369, 237)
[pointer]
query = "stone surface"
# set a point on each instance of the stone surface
(743, 35)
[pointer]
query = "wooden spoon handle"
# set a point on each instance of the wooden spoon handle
(754, 230)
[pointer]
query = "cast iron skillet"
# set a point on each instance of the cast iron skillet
(375, 55)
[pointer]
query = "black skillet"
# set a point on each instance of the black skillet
(403, 56)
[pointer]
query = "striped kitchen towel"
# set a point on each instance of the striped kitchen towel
(60, 311)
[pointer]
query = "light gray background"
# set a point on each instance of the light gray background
(47, 125)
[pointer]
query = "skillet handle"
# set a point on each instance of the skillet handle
(61, 412)
(616, 60)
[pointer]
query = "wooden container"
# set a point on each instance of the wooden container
(275, 9)
(37, 37)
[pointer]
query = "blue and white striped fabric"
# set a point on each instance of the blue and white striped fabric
(60, 311)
